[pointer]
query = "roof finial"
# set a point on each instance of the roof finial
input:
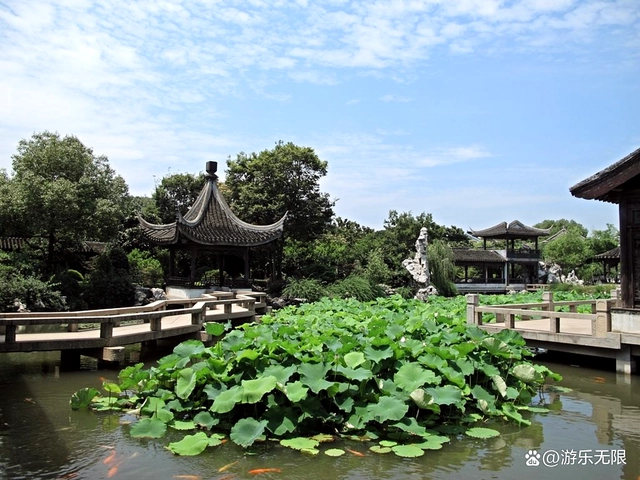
(211, 169)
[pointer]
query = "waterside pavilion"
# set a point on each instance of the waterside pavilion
(211, 226)
(619, 183)
(500, 270)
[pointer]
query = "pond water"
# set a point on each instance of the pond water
(41, 438)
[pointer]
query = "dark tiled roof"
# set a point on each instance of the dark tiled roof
(16, 243)
(606, 184)
(468, 255)
(210, 221)
(612, 254)
(515, 229)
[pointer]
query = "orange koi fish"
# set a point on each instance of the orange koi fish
(355, 452)
(110, 458)
(227, 466)
(113, 470)
(258, 471)
(599, 379)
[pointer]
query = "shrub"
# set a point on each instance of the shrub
(109, 287)
(306, 288)
(145, 269)
(37, 295)
(71, 284)
(356, 287)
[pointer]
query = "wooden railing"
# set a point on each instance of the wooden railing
(600, 316)
(153, 314)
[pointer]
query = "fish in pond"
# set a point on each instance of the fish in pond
(227, 466)
(110, 459)
(599, 379)
(113, 470)
(355, 452)
(258, 471)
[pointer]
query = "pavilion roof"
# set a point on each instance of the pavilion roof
(513, 230)
(607, 184)
(211, 222)
(613, 254)
(463, 256)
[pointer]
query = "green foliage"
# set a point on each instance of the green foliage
(146, 270)
(175, 193)
(62, 193)
(356, 287)
(263, 186)
(308, 289)
(392, 368)
(442, 267)
(37, 295)
(376, 270)
(71, 285)
(110, 285)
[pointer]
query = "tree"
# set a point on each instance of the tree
(602, 241)
(61, 194)
(175, 193)
(570, 250)
(442, 267)
(263, 187)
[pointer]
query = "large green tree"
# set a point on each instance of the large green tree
(261, 187)
(176, 192)
(59, 194)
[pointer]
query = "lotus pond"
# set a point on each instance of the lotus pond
(394, 389)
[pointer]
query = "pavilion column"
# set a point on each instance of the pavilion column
(172, 261)
(246, 264)
(194, 258)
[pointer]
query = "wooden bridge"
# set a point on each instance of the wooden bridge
(106, 332)
(544, 325)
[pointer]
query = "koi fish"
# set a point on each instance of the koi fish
(113, 470)
(110, 458)
(599, 379)
(29, 400)
(227, 466)
(355, 452)
(230, 476)
(68, 476)
(258, 471)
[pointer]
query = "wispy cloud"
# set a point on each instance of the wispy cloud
(395, 98)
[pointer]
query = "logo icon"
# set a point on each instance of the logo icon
(533, 458)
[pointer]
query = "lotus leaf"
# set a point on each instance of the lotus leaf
(296, 391)
(148, 428)
(380, 449)
(186, 382)
(313, 376)
(408, 451)
(526, 373)
(300, 443)
(446, 395)
(334, 452)
(480, 432)
(247, 430)
(205, 419)
(354, 359)
(388, 408)
(253, 390)
(411, 376)
(190, 445)
(226, 400)
(214, 328)
(82, 398)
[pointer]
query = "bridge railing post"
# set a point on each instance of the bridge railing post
(106, 330)
(473, 317)
(155, 323)
(10, 334)
(554, 319)
(601, 324)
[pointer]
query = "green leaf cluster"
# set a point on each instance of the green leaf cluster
(394, 368)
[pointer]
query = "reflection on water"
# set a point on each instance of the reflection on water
(41, 438)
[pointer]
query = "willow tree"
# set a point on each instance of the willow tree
(442, 267)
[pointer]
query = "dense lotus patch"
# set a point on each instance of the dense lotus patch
(397, 370)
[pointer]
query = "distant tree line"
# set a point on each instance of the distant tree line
(60, 197)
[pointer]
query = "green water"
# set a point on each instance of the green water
(41, 438)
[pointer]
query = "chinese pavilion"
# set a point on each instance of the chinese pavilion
(211, 226)
(500, 270)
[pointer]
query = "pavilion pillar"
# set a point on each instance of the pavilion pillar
(194, 258)
(172, 261)
(246, 264)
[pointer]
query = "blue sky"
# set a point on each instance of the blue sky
(476, 111)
